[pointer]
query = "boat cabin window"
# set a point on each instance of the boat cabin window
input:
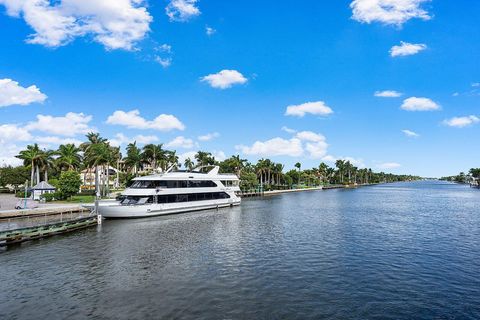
(201, 184)
(171, 184)
(143, 184)
(230, 183)
(173, 198)
(136, 200)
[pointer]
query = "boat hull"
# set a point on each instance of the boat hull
(116, 210)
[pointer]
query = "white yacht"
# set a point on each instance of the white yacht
(173, 192)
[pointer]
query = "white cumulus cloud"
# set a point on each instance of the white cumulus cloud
(164, 62)
(164, 48)
(461, 122)
(133, 120)
(182, 10)
(316, 144)
(419, 104)
(389, 165)
(407, 49)
(121, 139)
(210, 31)
(69, 125)
(54, 140)
(288, 130)
(274, 147)
(116, 24)
(181, 142)
(316, 108)
(219, 155)
(8, 151)
(13, 132)
(11, 93)
(224, 79)
(142, 139)
(313, 143)
(387, 94)
(410, 133)
(209, 136)
(390, 12)
(310, 136)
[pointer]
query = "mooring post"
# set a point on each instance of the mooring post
(99, 216)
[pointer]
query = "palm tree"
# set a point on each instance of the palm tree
(189, 165)
(298, 165)
(93, 138)
(134, 157)
(322, 171)
(239, 164)
(172, 158)
(354, 173)
(340, 164)
(111, 156)
(330, 175)
(204, 158)
(46, 162)
(279, 171)
(68, 156)
(152, 154)
(94, 141)
(116, 157)
(31, 157)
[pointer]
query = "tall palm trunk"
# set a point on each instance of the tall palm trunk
(45, 175)
(97, 189)
(108, 179)
(32, 174)
(118, 181)
(38, 173)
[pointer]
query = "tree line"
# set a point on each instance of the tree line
(472, 176)
(96, 155)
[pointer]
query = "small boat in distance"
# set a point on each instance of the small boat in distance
(173, 192)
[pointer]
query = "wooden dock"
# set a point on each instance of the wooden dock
(8, 214)
(42, 225)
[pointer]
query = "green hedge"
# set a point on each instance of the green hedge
(48, 197)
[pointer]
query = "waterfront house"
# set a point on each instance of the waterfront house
(88, 177)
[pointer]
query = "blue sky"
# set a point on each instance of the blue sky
(324, 59)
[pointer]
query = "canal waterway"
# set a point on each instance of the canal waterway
(393, 251)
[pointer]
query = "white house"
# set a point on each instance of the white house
(42, 188)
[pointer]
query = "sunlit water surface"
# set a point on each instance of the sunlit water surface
(397, 251)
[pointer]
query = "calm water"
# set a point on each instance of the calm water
(397, 251)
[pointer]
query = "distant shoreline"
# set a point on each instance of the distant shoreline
(277, 192)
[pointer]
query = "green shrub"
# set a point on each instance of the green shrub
(48, 197)
(53, 182)
(69, 184)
